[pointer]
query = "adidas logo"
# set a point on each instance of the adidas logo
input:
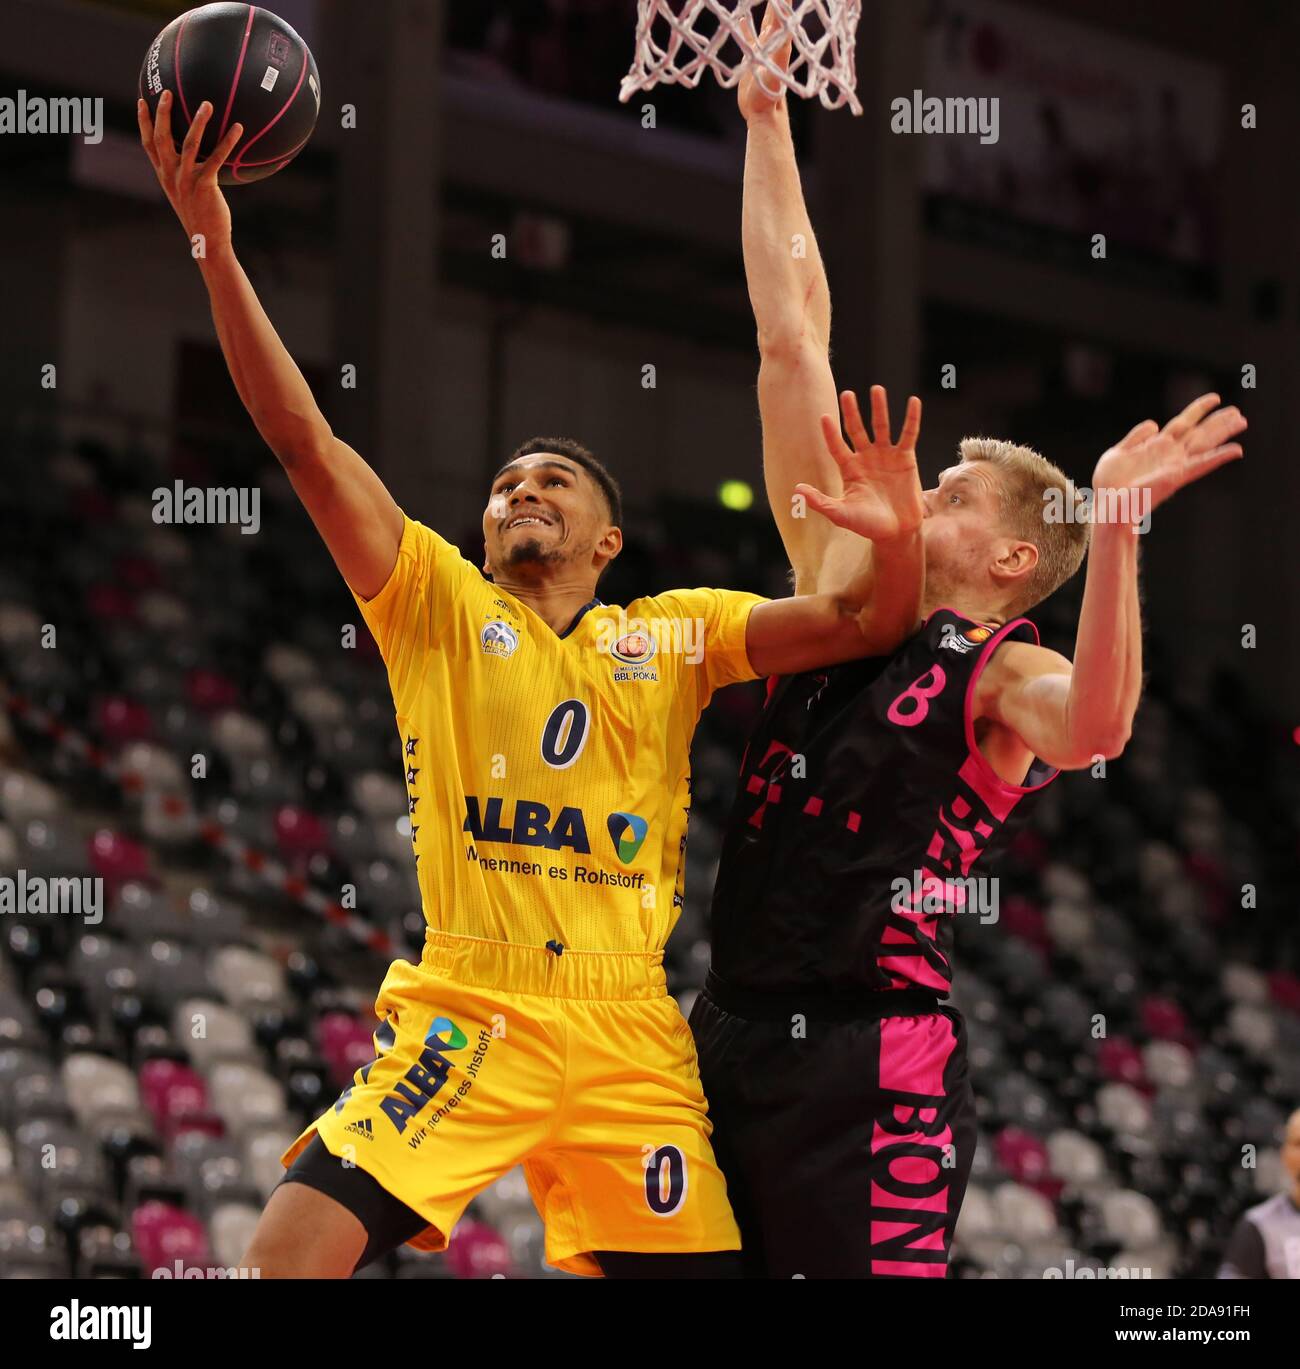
(362, 1128)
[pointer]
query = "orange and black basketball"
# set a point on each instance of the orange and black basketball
(254, 69)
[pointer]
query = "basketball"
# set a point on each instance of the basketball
(254, 69)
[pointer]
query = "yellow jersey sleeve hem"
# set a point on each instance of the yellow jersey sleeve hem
(373, 608)
(723, 618)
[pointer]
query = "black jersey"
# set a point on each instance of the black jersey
(862, 807)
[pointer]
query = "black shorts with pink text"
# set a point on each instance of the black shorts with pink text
(846, 1140)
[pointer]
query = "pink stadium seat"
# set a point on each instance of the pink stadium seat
(167, 1087)
(346, 1044)
(1285, 990)
(164, 1234)
(358, 1052)
(120, 720)
(300, 834)
(117, 859)
(1163, 1018)
(210, 691)
(1121, 1061)
(476, 1251)
(1024, 1156)
(1024, 918)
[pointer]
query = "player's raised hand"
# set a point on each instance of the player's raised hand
(882, 488)
(190, 186)
(1163, 460)
(758, 91)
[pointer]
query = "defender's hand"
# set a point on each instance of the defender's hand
(191, 188)
(1163, 460)
(758, 92)
(882, 489)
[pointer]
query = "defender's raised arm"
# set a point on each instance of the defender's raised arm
(1069, 714)
(792, 311)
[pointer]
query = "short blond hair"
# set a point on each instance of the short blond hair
(1026, 478)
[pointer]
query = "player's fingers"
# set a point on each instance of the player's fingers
(771, 25)
(747, 29)
(1229, 451)
(1202, 464)
(162, 127)
(880, 430)
(761, 43)
(853, 424)
(1147, 428)
(146, 130)
(782, 55)
(821, 503)
(835, 442)
(911, 425)
(190, 147)
(1191, 415)
(1216, 429)
(208, 171)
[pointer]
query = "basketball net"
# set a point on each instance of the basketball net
(677, 41)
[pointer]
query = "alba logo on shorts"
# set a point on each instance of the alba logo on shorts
(627, 832)
(444, 1026)
(423, 1080)
(498, 638)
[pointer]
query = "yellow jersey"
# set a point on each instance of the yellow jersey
(548, 775)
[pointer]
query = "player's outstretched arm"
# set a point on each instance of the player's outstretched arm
(1070, 714)
(792, 310)
(354, 513)
(881, 510)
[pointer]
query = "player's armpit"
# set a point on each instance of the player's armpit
(352, 510)
(1027, 689)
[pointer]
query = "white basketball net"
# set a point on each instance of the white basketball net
(677, 41)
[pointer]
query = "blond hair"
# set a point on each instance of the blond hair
(1026, 478)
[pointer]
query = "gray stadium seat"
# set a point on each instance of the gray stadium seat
(212, 1032)
(231, 1228)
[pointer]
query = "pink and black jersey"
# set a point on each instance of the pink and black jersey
(863, 808)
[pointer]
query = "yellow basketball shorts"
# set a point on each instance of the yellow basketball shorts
(577, 1066)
